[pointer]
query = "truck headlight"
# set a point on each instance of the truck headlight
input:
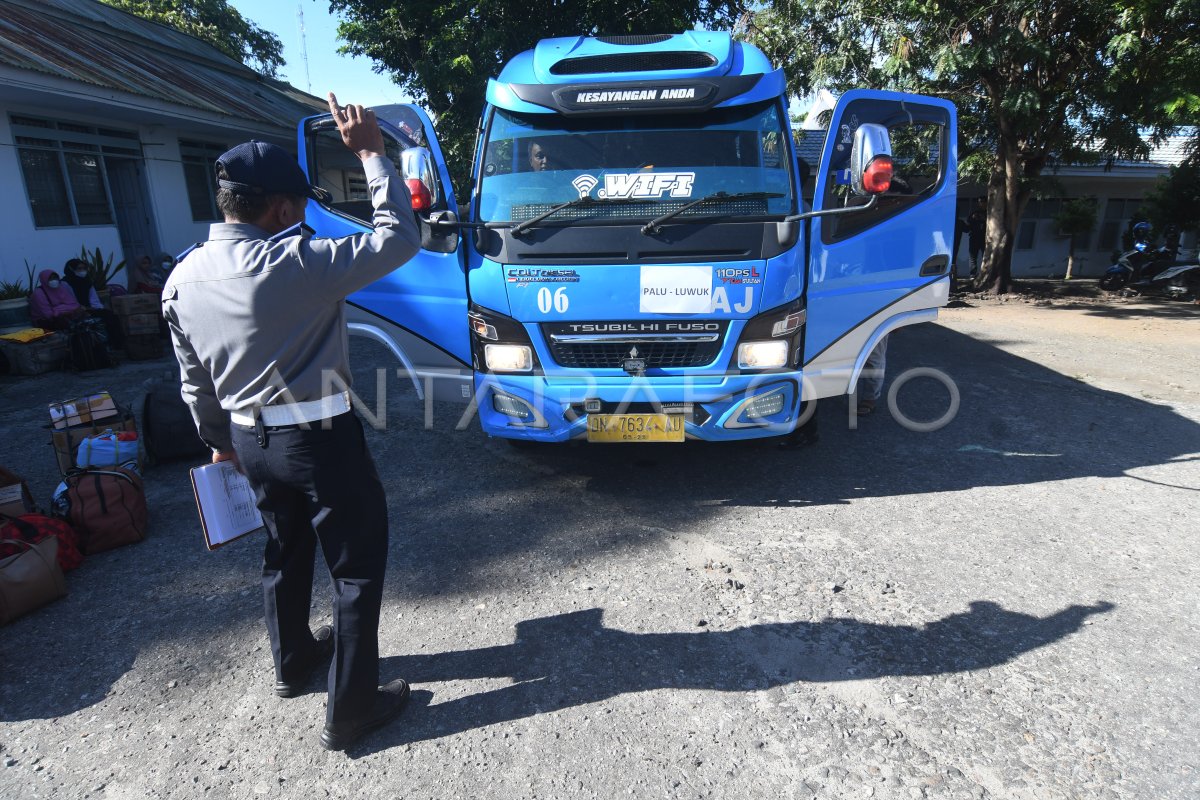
(763, 355)
(508, 357)
(500, 344)
(772, 339)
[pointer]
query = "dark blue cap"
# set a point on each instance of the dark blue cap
(260, 168)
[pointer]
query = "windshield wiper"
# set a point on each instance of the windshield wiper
(653, 225)
(578, 202)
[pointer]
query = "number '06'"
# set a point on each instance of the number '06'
(556, 302)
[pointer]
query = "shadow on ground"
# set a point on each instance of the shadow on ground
(571, 660)
(1143, 308)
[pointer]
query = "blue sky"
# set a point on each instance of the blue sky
(350, 78)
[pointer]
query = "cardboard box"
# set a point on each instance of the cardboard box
(134, 324)
(141, 346)
(127, 304)
(15, 498)
(34, 358)
(66, 441)
(82, 410)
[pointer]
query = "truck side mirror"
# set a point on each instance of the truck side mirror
(871, 159)
(416, 167)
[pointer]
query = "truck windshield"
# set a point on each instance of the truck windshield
(637, 167)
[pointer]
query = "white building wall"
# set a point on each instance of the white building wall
(44, 248)
(49, 248)
(1047, 255)
(168, 190)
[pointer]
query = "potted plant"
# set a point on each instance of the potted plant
(101, 271)
(14, 305)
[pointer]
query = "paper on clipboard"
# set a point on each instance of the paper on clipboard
(226, 503)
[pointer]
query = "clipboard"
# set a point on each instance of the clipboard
(225, 502)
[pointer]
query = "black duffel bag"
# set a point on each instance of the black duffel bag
(168, 431)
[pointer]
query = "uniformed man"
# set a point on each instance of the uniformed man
(258, 324)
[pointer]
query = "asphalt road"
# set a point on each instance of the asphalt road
(1002, 608)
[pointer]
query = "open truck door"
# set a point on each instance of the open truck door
(886, 266)
(419, 311)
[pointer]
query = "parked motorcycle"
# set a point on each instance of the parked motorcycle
(1156, 272)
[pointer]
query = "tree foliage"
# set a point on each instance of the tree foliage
(1037, 84)
(443, 53)
(1175, 199)
(215, 22)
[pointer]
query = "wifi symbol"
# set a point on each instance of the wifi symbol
(584, 185)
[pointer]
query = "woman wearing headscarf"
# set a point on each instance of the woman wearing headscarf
(52, 304)
(75, 275)
(142, 279)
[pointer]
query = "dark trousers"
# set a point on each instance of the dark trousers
(320, 485)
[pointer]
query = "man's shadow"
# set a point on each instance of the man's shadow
(572, 659)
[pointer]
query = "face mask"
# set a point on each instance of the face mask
(81, 273)
(52, 283)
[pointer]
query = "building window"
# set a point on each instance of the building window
(1025, 234)
(1117, 214)
(199, 161)
(1039, 215)
(63, 167)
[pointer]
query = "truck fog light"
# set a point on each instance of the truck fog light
(511, 406)
(508, 357)
(762, 355)
(764, 406)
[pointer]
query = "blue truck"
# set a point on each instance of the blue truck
(645, 255)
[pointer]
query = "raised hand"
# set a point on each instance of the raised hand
(359, 128)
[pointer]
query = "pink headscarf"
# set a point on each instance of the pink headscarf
(46, 303)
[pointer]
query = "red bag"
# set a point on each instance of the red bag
(107, 507)
(33, 528)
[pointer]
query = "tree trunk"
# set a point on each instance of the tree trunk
(1070, 258)
(1005, 203)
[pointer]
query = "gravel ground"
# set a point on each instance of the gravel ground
(1003, 608)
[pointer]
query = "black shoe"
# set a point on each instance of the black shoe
(390, 700)
(322, 652)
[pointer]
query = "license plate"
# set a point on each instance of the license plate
(635, 428)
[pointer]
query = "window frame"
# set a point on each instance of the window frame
(787, 156)
(65, 138)
(197, 153)
(836, 229)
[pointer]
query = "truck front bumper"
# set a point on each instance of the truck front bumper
(715, 408)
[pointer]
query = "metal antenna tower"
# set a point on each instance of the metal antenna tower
(304, 48)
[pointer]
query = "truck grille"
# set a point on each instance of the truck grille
(658, 355)
(661, 344)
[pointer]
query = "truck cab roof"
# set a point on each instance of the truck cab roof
(691, 71)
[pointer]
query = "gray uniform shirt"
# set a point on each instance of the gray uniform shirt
(257, 321)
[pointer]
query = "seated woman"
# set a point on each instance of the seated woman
(142, 279)
(53, 305)
(161, 270)
(75, 274)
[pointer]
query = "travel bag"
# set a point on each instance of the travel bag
(87, 346)
(33, 528)
(30, 579)
(108, 449)
(107, 507)
(168, 430)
